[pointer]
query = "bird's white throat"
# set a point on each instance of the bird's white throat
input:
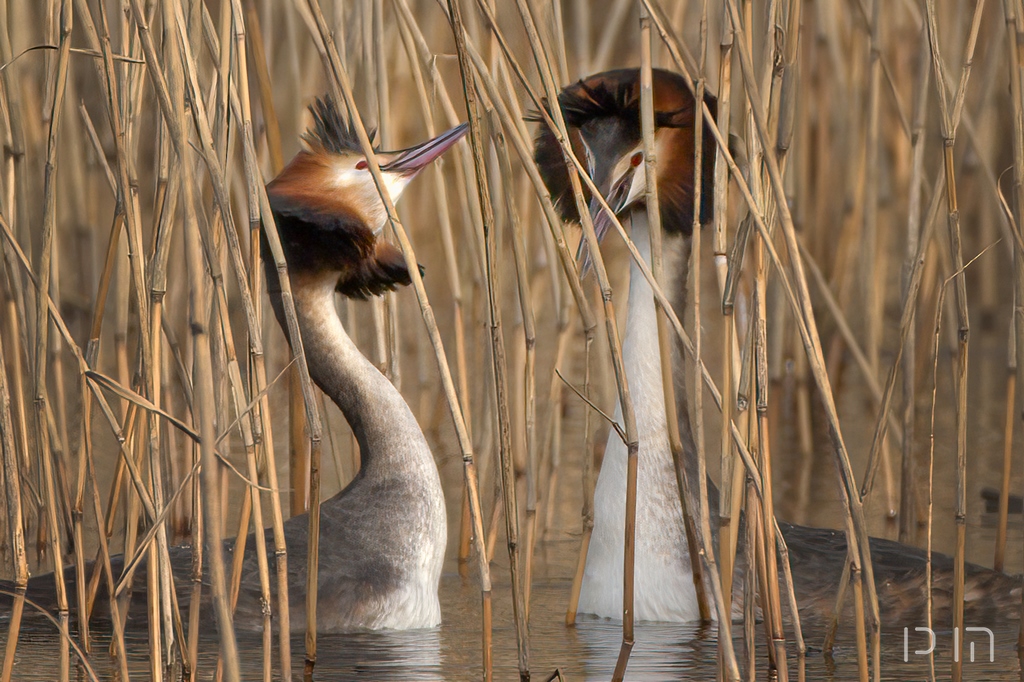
(663, 583)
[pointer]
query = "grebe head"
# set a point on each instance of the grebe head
(329, 211)
(602, 114)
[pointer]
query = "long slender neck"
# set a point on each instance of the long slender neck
(390, 439)
(640, 351)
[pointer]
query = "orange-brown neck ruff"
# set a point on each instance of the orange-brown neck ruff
(321, 232)
(616, 95)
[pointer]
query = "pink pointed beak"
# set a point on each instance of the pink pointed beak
(616, 198)
(413, 160)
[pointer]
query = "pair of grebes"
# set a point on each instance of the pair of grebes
(383, 537)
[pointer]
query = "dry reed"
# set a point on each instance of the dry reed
(152, 138)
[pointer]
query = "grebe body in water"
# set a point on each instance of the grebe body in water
(602, 113)
(382, 538)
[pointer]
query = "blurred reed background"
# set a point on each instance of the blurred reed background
(137, 136)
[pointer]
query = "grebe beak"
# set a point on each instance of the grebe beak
(622, 192)
(410, 161)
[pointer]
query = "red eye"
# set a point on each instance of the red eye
(361, 164)
(637, 158)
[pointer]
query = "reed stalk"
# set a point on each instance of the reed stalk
(850, 155)
(12, 494)
(750, 588)
(953, 218)
(707, 552)
(771, 598)
(40, 397)
(998, 562)
(414, 42)
(1011, 13)
(341, 79)
(929, 497)
(908, 486)
(587, 511)
(550, 88)
(731, 481)
(510, 501)
(529, 367)
(664, 343)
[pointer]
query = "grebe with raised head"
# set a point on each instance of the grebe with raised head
(382, 538)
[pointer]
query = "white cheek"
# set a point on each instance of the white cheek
(639, 186)
(396, 185)
(360, 186)
(353, 180)
(348, 179)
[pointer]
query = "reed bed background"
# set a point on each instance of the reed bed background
(867, 222)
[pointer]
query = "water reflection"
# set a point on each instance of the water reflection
(661, 651)
(587, 651)
(413, 656)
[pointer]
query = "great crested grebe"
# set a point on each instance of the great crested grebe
(602, 113)
(382, 538)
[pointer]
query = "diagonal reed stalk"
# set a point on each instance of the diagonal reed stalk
(632, 444)
(342, 81)
(416, 45)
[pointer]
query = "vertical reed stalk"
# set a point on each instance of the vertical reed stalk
(998, 561)
(727, 655)
(931, 473)
(750, 581)
(250, 430)
(1011, 12)
(664, 342)
(949, 120)
(12, 495)
(298, 442)
(43, 323)
(529, 396)
(908, 486)
(587, 511)
(732, 486)
(771, 600)
(499, 368)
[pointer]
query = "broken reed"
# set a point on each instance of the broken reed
(163, 322)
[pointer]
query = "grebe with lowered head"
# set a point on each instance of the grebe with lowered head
(602, 113)
(382, 538)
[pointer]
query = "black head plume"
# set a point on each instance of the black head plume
(607, 104)
(331, 130)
